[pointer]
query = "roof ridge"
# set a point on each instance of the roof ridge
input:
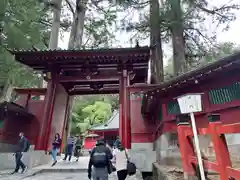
(115, 113)
(112, 117)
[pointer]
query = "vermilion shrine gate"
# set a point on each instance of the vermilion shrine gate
(154, 111)
(71, 73)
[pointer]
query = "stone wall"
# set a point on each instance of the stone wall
(31, 159)
(4, 147)
(168, 153)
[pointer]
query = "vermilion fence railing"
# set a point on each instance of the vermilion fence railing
(216, 129)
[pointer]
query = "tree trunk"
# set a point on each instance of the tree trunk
(75, 40)
(53, 43)
(156, 42)
(76, 35)
(6, 93)
(179, 61)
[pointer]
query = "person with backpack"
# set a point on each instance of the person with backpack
(56, 147)
(100, 160)
(23, 146)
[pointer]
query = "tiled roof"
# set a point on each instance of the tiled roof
(112, 123)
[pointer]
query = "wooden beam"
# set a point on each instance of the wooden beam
(32, 91)
(142, 87)
(89, 92)
(84, 78)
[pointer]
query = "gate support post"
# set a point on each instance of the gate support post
(121, 110)
(186, 145)
(220, 146)
(47, 114)
(125, 123)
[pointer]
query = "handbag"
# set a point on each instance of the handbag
(131, 167)
(111, 167)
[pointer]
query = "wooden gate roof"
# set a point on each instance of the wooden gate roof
(89, 71)
(105, 58)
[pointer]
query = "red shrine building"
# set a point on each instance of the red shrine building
(150, 121)
(109, 131)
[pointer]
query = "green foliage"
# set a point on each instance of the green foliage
(99, 23)
(20, 28)
(91, 110)
(98, 112)
(198, 40)
(213, 54)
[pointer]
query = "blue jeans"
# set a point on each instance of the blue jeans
(54, 153)
(69, 151)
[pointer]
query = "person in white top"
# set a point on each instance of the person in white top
(120, 157)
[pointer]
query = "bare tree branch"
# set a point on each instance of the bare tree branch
(70, 6)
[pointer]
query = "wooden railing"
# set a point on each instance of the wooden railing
(217, 130)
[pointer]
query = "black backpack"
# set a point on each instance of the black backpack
(99, 158)
(28, 145)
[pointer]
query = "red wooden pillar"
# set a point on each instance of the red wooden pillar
(66, 117)
(47, 114)
(121, 111)
(125, 123)
(186, 145)
(126, 107)
(220, 147)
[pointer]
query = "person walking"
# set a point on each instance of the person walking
(56, 147)
(69, 149)
(120, 157)
(117, 142)
(23, 146)
(78, 147)
(99, 159)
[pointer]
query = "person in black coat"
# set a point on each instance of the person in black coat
(21, 147)
(56, 147)
(100, 160)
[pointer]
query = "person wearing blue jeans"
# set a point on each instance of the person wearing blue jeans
(70, 147)
(56, 147)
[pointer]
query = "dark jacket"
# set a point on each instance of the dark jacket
(22, 145)
(57, 143)
(79, 143)
(100, 148)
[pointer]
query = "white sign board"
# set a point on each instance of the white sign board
(190, 103)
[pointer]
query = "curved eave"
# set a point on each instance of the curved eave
(199, 75)
(16, 110)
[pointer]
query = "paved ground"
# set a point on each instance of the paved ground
(69, 176)
(63, 170)
(60, 176)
